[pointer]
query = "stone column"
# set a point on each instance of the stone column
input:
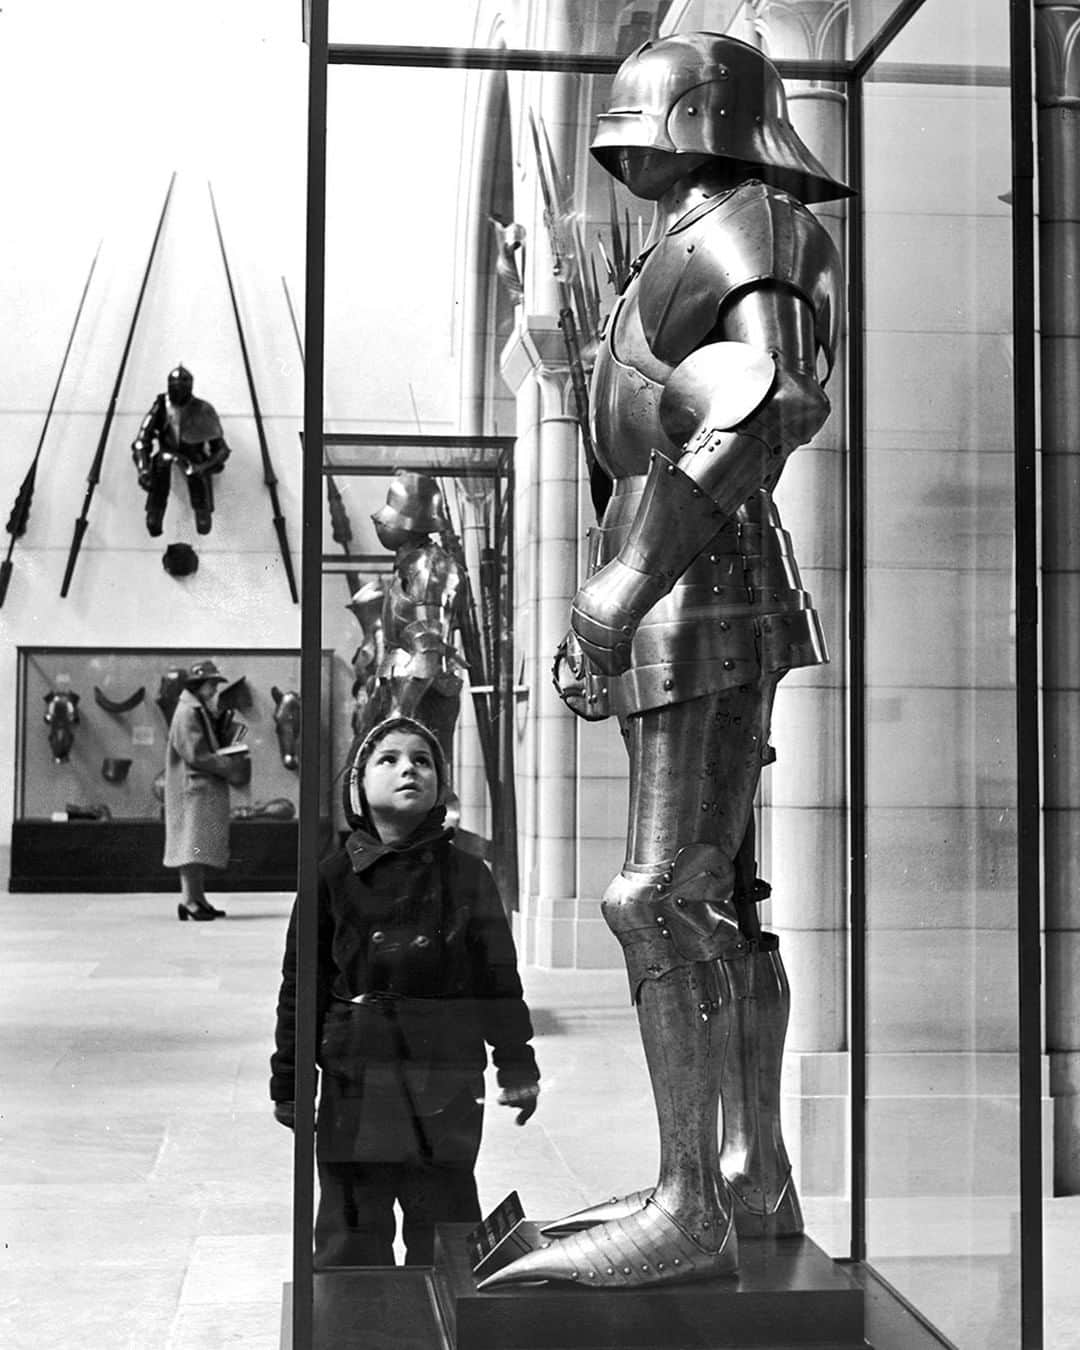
(546, 578)
(804, 792)
(1057, 94)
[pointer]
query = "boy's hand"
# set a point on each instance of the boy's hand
(285, 1114)
(522, 1097)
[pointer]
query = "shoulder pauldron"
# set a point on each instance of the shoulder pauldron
(755, 235)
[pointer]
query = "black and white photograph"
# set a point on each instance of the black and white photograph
(537, 706)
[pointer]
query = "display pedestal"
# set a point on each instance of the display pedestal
(787, 1294)
(125, 855)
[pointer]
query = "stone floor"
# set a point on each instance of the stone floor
(144, 1185)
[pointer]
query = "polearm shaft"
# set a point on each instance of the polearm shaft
(94, 476)
(20, 512)
(340, 527)
(269, 477)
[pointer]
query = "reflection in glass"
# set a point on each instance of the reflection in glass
(942, 1070)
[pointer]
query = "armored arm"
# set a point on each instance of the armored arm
(739, 406)
(145, 445)
(219, 453)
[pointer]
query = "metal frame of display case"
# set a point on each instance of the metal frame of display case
(897, 1322)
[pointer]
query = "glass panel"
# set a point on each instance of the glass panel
(434, 237)
(942, 1171)
(596, 26)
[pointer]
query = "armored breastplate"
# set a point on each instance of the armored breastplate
(738, 612)
(627, 384)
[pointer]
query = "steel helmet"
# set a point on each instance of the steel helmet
(711, 97)
(414, 502)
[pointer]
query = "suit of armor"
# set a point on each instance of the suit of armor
(406, 663)
(710, 374)
(184, 430)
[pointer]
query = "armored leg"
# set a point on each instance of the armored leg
(753, 1157)
(672, 922)
(201, 493)
(157, 495)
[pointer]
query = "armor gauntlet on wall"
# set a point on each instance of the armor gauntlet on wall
(739, 415)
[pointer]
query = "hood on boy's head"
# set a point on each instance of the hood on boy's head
(355, 803)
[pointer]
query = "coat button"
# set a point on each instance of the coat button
(378, 936)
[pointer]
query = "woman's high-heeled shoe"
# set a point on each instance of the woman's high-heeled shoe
(183, 913)
(209, 908)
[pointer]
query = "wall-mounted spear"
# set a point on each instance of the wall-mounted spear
(20, 512)
(269, 477)
(340, 526)
(94, 476)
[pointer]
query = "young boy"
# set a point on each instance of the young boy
(416, 971)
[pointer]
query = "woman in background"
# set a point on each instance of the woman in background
(197, 778)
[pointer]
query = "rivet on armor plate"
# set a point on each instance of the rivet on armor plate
(671, 469)
(674, 1260)
(378, 936)
(627, 628)
(718, 590)
(592, 1274)
(660, 920)
(669, 684)
(729, 664)
(691, 112)
(659, 1265)
(705, 1223)
(626, 1270)
(611, 1270)
(680, 901)
(644, 1270)
(714, 557)
(723, 112)
(666, 876)
(574, 1274)
(724, 625)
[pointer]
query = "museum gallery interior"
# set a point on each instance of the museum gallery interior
(539, 593)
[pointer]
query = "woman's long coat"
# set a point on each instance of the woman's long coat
(196, 789)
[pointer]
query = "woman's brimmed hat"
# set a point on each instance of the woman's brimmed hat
(202, 671)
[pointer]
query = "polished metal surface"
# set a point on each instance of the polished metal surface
(753, 1157)
(407, 662)
(703, 94)
(710, 374)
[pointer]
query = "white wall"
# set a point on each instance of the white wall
(100, 104)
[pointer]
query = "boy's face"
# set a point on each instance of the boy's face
(401, 783)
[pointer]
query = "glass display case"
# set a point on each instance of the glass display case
(92, 727)
(896, 826)
(474, 482)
